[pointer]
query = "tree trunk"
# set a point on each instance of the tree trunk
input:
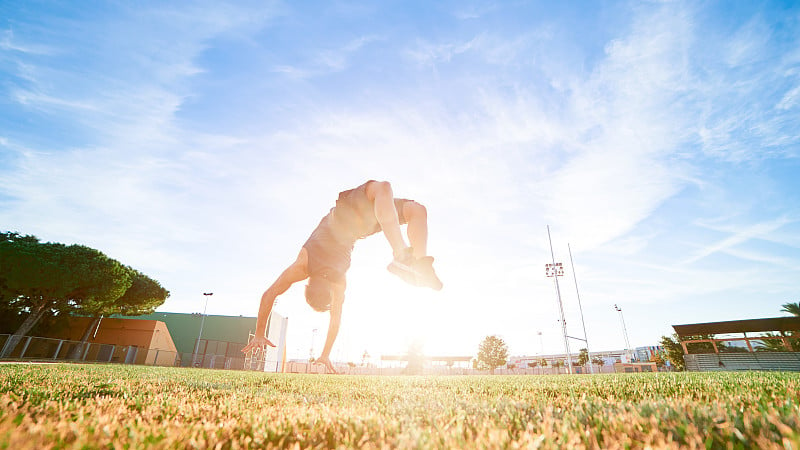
(13, 340)
(78, 350)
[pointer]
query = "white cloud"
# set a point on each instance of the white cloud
(327, 60)
(429, 54)
(739, 235)
(473, 11)
(747, 45)
(8, 42)
(47, 102)
(790, 99)
(623, 171)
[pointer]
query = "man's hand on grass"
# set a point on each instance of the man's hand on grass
(258, 342)
(325, 361)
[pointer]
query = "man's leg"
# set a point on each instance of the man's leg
(380, 192)
(417, 217)
(416, 268)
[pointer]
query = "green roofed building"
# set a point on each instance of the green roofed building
(185, 328)
(222, 339)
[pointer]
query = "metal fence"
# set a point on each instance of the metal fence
(712, 362)
(33, 348)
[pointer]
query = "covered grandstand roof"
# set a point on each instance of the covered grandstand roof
(739, 326)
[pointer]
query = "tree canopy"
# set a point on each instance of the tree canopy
(673, 351)
(39, 278)
(142, 297)
(492, 352)
(583, 357)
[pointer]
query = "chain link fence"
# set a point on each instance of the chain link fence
(33, 348)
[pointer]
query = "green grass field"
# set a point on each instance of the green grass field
(113, 406)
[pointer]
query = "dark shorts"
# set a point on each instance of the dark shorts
(331, 244)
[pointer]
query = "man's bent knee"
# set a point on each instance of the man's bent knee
(414, 211)
(379, 189)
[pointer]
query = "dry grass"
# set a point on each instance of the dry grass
(112, 406)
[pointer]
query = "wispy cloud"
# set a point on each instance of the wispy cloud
(630, 113)
(790, 100)
(741, 235)
(472, 12)
(326, 60)
(429, 54)
(47, 102)
(139, 172)
(751, 117)
(8, 42)
(748, 43)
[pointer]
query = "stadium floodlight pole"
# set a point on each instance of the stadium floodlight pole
(202, 322)
(558, 270)
(585, 337)
(624, 330)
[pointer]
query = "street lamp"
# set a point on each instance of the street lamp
(624, 330)
(541, 343)
(202, 322)
(313, 337)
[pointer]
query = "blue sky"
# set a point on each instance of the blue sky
(201, 144)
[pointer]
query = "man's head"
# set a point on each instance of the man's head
(319, 293)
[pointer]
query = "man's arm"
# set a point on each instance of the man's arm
(297, 271)
(333, 328)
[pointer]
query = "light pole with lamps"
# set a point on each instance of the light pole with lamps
(556, 270)
(585, 336)
(624, 331)
(202, 322)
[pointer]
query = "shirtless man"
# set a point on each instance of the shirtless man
(325, 257)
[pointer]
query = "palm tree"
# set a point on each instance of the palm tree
(792, 308)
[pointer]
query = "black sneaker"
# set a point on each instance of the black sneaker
(425, 275)
(403, 266)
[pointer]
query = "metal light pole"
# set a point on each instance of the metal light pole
(585, 337)
(202, 322)
(364, 358)
(541, 343)
(313, 337)
(558, 271)
(624, 331)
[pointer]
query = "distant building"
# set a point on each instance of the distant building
(167, 339)
(645, 354)
(122, 340)
(222, 340)
(613, 360)
(635, 367)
